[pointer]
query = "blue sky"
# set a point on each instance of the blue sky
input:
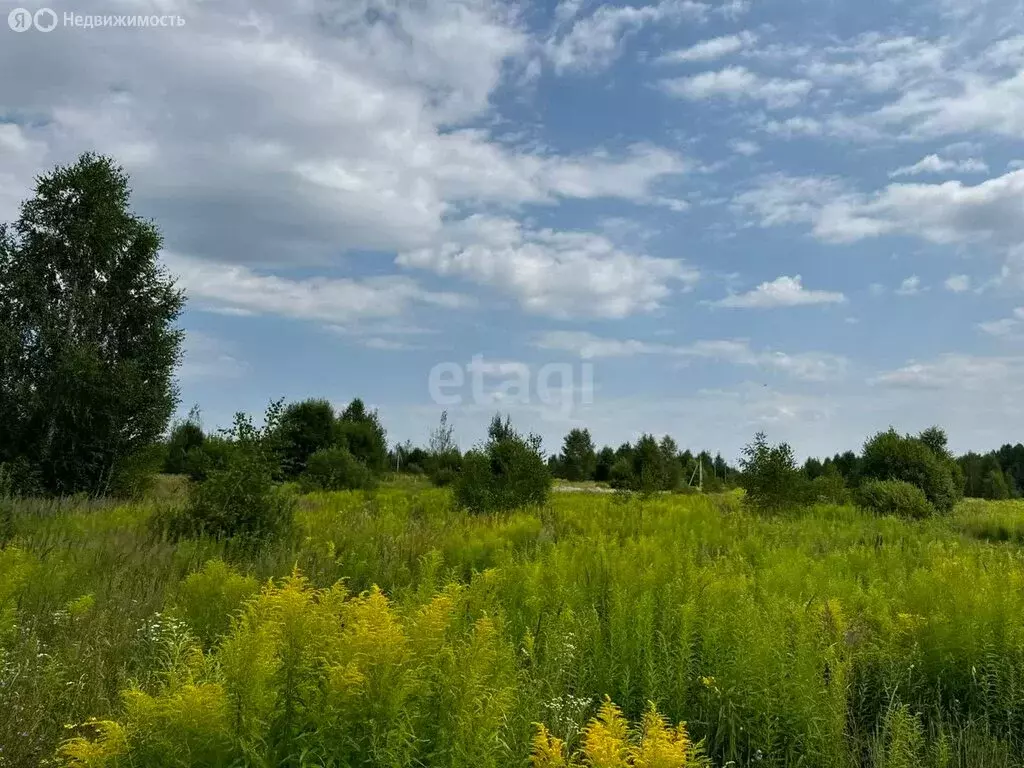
(805, 218)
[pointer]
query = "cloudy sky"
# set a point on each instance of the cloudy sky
(698, 217)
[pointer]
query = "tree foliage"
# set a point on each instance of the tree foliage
(241, 499)
(923, 461)
(770, 475)
(306, 427)
(894, 497)
(506, 472)
(578, 460)
(87, 338)
(361, 432)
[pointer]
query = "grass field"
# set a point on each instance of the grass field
(392, 629)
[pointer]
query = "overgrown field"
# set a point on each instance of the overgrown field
(392, 629)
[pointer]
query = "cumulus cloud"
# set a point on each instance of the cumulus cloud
(910, 286)
(936, 164)
(1005, 327)
(782, 292)
(958, 283)
(738, 84)
(944, 213)
(956, 372)
(806, 366)
(709, 50)
(558, 274)
(287, 136)
(239, 290)
(593, 42)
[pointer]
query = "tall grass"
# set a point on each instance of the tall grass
(831, 638)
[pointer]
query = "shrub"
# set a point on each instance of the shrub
(241, 499)
(207, 599)
(185, 436)
(211, 456)
(305, 428)
(361, 431)
(620, 476)
(922, 461)
(506, 473)
(894, 497)
(349, 680)
(827, 488)
(770, 475)
(335, 469)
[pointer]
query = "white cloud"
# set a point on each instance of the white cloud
(1007, 326)
(910, 286)
(745, 148)
(320, 132)
(709, 50)
(957, 372)
(958, 283)
(594, 42)
(341, 301)
(558, 274)
(945, 213)
(738, 84)
(782, 292)
(936, 164)
(806, 366)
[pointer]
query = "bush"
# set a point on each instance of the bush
(208, 599)
(922, 461)
(620, 476)
(506, 473)
(306, 427)
(894, 497)
(335, 469)
(827, 488)
(361, 431)
(185, 436)
(241, 499)
(211, 456)
(770, 475)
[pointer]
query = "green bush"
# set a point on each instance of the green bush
(827, 488)
(211, 456)
(306, 427)
(185, 436)
(242, 499)
(770, 476)
(894, 497)
(506, 473)
(335, 469)
(922, 461)
(621, 476)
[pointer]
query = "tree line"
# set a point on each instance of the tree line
(89, 345)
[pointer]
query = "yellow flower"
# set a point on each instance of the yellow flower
(547, 752)
(605, 738)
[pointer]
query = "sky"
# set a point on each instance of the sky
(704, 218)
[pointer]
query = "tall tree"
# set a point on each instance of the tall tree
(364, 435)
(305, 428)
(578, 460)
(88, 345)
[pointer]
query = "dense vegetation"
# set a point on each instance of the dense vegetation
(296, 592)
(832, 637)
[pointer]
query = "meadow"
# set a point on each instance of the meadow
(391, 628)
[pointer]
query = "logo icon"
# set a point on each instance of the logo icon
(20, 20)
(45, 20)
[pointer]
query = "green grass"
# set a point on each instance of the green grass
(828, 638)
